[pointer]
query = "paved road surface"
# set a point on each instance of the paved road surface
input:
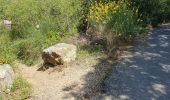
(144, 72)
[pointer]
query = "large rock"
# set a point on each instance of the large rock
(6, 76)
(59, 54)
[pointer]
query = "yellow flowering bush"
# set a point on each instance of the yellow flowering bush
(99, 11)
(113, 21)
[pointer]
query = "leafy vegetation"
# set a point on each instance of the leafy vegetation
(153, 11)
(114, 21)
(39, 24)
(120, 20)
(35, 26)
(20, 90)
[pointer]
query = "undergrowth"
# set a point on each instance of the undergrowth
(36, 25)
(20, 90)
(88, 50)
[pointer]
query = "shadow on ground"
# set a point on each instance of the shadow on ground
(142, 73)
(93, 81)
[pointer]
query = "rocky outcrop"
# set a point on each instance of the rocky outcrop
(59, 54)
(6, 76)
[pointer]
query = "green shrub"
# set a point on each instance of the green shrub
(166, 10)
(7, 54)
(51, 38)
(114, 22)
(152, 11)
(24, 14)
(3, 6)
(123, 23)
(29, 50)
(20, 90)
(54, 15)
(61, 15)
(4, 35)
(26, 50)
(36, 24)
(22, 87)
(6, 50)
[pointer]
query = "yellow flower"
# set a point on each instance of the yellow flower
(99, 11)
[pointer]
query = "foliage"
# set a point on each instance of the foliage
(114, 21)
(6, 50)
(54, 15)
(23, 87)
(152, 11)
(123, 23)
(4, 35)
(24, 15)
(99, 11)
(87, 50)
(36, 24)
(28, 51)
(63, 15)
(20, 90)
(7, 54)
(85, 8)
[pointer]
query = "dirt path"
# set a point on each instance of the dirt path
(143, 73)
(57, 85)
(72, 83)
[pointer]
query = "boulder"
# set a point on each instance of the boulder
(6, 76)
(59, 54)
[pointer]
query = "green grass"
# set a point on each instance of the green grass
(25, 41)
(20, 90)
(88, 50)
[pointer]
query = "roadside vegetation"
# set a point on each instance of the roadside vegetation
(20, 90)
(38, 24)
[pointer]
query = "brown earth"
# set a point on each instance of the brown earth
(76, 81)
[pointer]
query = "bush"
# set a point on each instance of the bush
(29, 51)
(7, 54)
(24, 14)
(20, 90)
(22, 87)
(153, 11)
(54, 15)
(36, 24)
(123, 23)
(3, 6)
(6, 50)
(4, 35)
(166, 10)
(114, 21)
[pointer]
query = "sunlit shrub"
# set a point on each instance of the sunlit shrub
(55, 15)
(114, 22)
(60, 15)
(99, 11)
(24, 15)
(7, 54)
(36, 24)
